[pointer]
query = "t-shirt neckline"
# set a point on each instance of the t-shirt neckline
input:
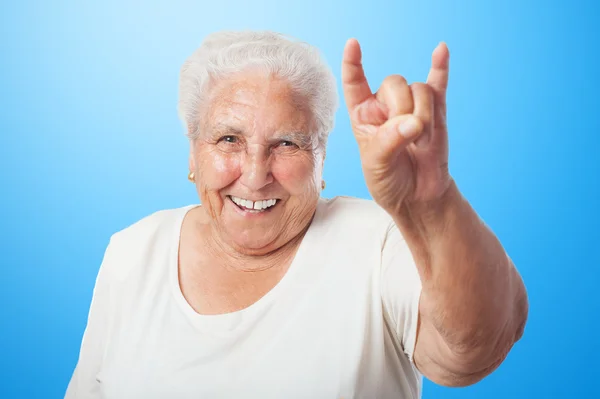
(226, 324)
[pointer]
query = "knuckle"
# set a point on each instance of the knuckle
(421, 87)
(422, 92)
(394, 80)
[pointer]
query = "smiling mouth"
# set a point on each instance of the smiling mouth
(259, 206)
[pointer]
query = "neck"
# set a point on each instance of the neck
(242, 259)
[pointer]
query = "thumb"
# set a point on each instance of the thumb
(395, 135)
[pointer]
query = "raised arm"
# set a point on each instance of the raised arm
(473, 304)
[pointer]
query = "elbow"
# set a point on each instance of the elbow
(521, 314)
(468, 367)
(464, 369)
(487, 350)
(462, 379)
(474, 353)
(520, 308)
(474, 360)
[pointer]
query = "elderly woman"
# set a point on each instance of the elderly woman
(268, 290)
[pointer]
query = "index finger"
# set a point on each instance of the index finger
(354, 82)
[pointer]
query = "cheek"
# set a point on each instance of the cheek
(218, 170)
(296, 175)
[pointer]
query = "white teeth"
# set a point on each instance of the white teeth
(259, 205)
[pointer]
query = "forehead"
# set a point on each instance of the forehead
(256, 101)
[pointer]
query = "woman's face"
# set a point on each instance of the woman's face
(257, 164)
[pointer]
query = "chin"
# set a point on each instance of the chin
(254, 240)
(253, 247)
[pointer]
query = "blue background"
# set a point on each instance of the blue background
(90, 143)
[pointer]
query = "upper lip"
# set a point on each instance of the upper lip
(252, 199)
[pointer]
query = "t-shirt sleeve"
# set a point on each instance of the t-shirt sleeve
(83, 383)
(400, 288)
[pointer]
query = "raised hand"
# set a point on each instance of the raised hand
(401, 130)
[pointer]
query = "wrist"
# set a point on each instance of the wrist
(430, 215)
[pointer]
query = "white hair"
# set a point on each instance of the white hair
(229, 52)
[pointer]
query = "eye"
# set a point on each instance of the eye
(286, 143)
(229, 139)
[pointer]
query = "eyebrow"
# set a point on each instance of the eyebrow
(226, 129)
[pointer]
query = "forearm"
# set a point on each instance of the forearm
(472, 295)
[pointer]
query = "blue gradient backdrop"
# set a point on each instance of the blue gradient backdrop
(90, 143)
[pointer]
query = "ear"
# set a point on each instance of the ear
(192, 159)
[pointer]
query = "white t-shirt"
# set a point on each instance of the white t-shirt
(340, 324)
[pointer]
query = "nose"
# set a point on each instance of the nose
(256, 170)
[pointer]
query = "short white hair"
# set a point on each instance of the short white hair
(229, 52)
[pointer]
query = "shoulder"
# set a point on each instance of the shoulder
(354, 215)
(151, 226)
(352, 209)
(148, 237)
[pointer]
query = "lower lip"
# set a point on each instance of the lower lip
(248, 213)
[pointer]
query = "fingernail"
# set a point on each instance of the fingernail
(408, 128)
